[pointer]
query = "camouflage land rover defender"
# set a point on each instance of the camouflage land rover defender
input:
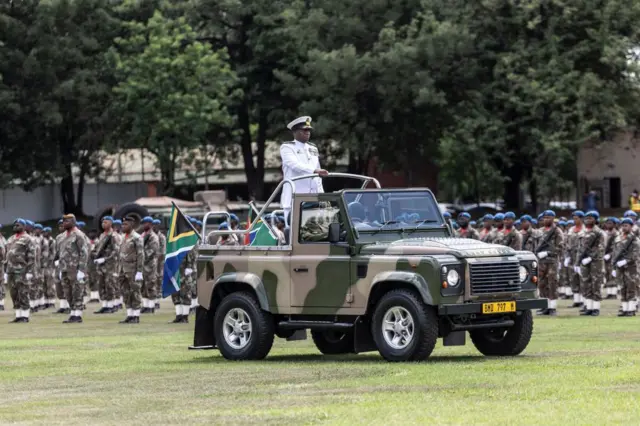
(365, 270)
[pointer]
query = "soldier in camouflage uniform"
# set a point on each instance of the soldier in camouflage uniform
(465, 230)
(506, 234)
(163, 249)
(106, 261)
(92, 270)
(151, 255)
(549, 246)
(625, 266)
(571, 252)
(3, 258)
(119, 301)
(182, 299)
(529, 234)
(87, 289)
(47, 269)
(611, 285)
(487, 234)
(73, 253)
(131, 264)
(223, 240)
(64, 307)
(21, 265)
(633, 216)
(40, 282)
(590, 263)
(34, 287)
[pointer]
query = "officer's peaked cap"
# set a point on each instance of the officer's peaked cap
(303, 122)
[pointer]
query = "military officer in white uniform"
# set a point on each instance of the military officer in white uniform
(299, 158)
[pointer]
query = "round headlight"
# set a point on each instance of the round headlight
(523, 274)
(453, 278)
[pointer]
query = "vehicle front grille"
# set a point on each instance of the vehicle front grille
(498, 277)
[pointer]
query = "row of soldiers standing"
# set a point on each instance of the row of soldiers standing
(574, 262)
(117, 267)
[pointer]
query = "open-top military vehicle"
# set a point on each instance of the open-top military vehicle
(364, 270)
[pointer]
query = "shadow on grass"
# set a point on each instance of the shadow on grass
(215, 358)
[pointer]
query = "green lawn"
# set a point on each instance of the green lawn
(575, 371)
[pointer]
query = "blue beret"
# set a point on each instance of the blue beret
(526, 217)
(518, 222)
(499, 216)
(47, 229)
(199, 223)
(612, 219)
(534, 221)
(488, 216)
(30, 222)
(627, 220)
(109, 218)
(233, 217)
(81, 224)
(549, 213)
(192, 219)
(38, 226)
(540, 216)
(464, 214)
(473, 223)
(20, 221)
(117, 222)
(562, 223)
(571, 222)
(509, 215)
(455, 225)
(223, 225)
(593, 214)
(630, 213)
(157, 221)
(147, 219)
(578, 213)
(60, 222)
(447, 215)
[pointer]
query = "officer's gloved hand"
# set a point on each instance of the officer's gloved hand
(607, 256)
(188, 271)
(6, 277)
(29, 277)
(621, 263)
(57, 262)
(80, 276)
(566, 262)
(586, 261)
(138, 276)
(99, 261)
(614, 273)
(576, 269)
(542, 254)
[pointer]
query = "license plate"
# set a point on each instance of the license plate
(498, 307)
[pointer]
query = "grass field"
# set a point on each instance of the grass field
(576, 370)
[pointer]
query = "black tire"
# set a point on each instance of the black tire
(262, 328)
(505, 342)
(425, 330)
(105, 211)
(334, 342)
(131, 209)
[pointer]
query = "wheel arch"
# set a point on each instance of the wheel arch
(234, 282)
(386, 281)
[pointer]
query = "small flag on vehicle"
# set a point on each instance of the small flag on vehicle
(182, 237)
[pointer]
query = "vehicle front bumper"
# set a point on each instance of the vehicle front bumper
(476, 307)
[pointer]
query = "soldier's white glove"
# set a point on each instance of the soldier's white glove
(6, 277)
(586, 261)
(138, 276)
(566, 262)
(80, 276)
(57, 262)
(621, 263)
(607, 256)
(542, 254)
(614, 273)
(576, 269)
(60, 274)
(99, 261)
(188, 271)
(29, 277)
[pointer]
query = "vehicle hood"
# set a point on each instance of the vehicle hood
(459, 247)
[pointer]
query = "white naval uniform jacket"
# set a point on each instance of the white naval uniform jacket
(299, 159)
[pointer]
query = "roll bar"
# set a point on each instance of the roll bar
(291, 182)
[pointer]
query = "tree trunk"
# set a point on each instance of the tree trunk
(533, 190)
(245, 146)
(261, 141)
(512, 188)
(81, 181)
(66, 191)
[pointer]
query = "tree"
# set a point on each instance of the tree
(172, 90)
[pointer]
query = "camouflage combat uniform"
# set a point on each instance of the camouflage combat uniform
(508, 237)
(487, 235)
(611, 282)
(21, 253)
(551, 242)
(151, 244)
(163, 249)
(92, 270)
(87, 279)
(468, 232)
(73, 253)
(592, 274)
(573, 244)
(47, 270)
(44, 267)
(107, 248)
(57, 275)
(529, 238)
(35, 288)
(131, 261)
(184, 296)
(3, 256)
(629, 250)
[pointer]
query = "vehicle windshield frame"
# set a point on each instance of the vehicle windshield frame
(409, 227)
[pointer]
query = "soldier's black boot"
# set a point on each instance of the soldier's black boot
(595, 313)
(185, 319)
(542, 312)
(101, 310)
(144, 310)
(1, 307)
(157, 306)
(177, 320)
(586, 312)
(127, 320)
(552, 312)
(135, 320)
(70, 320)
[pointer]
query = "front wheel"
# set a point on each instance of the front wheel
(505, 341)
(404, 328)
(243, 331)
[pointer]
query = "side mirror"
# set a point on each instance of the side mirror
(334, 233)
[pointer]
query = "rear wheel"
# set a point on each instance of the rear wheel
(505, 341)
(333, 342)
(404, 328)
(242, 330)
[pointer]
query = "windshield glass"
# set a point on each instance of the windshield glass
(391, 210)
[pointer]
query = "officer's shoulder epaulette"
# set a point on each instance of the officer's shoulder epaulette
(288, 143)
(312, 144)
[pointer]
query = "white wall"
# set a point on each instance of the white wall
(45, 202)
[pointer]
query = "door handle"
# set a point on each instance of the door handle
(300, 269)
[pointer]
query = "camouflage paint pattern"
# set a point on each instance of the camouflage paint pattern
(627, 275)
